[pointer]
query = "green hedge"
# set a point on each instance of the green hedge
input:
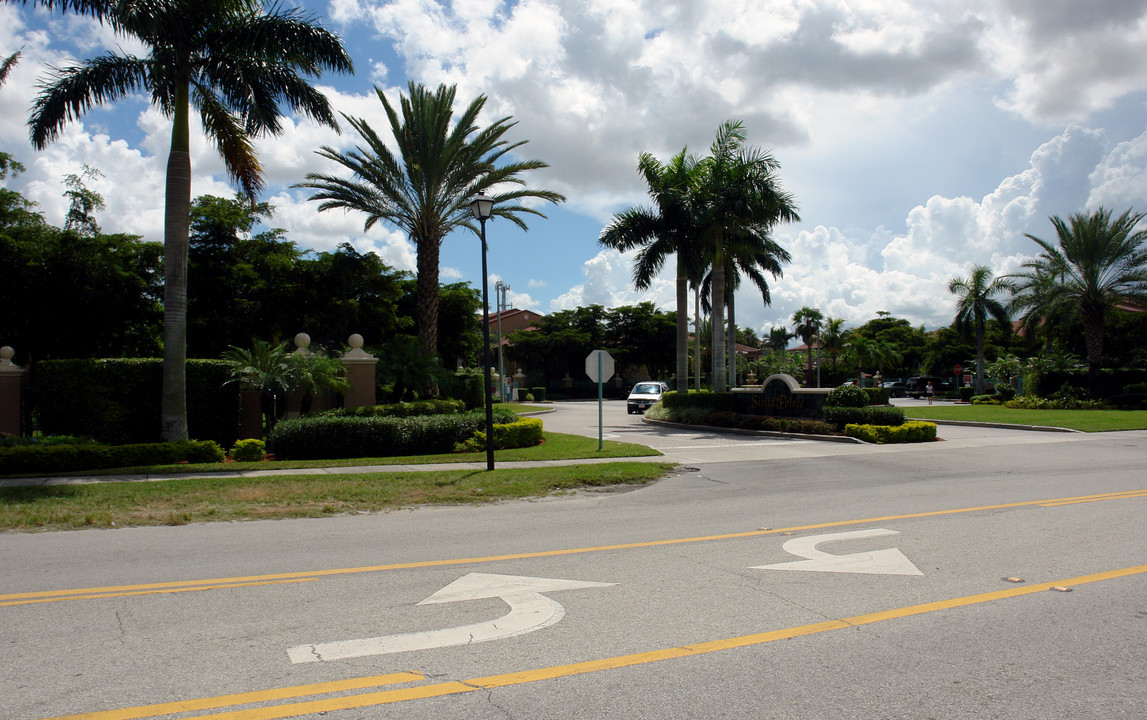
(706, 401)
(70, 458)
(877, 396)
(318, 437)
(526, 432)
(539, 393)
(774, 424)
(914, 431)
(402, 409)
(871, 415)
(249, 450)
(117, 401)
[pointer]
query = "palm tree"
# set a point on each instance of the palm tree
(1100, 262)
(231, 60)
(778, 340)
(425, 188)
(7, 64)
(976, 300)
(806, 324)
(832, 338)
(663, 230)
(735, 206)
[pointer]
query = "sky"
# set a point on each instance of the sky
(918, 137)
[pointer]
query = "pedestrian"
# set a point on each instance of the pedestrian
(929, 390)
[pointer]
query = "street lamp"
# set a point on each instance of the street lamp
(483, 207)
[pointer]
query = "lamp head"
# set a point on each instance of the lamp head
(482, 206)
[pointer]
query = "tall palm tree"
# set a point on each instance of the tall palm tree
(778, 340)
(832, 338)
(806, 324)
(425, 188)
(235, 62)
(663, 230)
(976, 300)
(737, 202)
(1099, 263)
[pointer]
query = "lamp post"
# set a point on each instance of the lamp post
(483, 207)
(500, 289)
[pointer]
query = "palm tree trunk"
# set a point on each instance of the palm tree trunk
(426, 296)
(979, 360)
(682, 327)
(697, 335)
(176, 226)
(732, 342)
(717, 292)
(1093, 317)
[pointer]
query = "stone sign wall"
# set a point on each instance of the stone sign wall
(780, 396)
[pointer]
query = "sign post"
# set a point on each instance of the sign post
(599, 367)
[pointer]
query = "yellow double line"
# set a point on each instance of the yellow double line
(384, 697)
(279, 578)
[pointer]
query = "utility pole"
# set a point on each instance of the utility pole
(500, 289)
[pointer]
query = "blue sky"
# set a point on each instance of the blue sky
(919, 137)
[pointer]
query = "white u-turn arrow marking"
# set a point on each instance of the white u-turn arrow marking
(878, 562)
(529, 611)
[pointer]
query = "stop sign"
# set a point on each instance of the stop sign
(959, 369)
(591, 365)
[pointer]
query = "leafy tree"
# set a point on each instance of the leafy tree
(976, 300)
(83, 202)
(735, 206)
(664, 230)
(806, 324)
(1099, 263)
(231, 60)
(642, 336)
(425, 189)
(459, 321)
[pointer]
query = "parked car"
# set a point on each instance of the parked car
(897, 389)
(643, 395)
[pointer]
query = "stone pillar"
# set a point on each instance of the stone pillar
(360, 372)
(13, 379)
(295, 397)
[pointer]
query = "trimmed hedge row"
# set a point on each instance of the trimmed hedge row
(707, 401)
(914, 431)
(526, 432)
(68, 458)
(403, 409)
(872, 415)
(774, 424)
(320, 437)
(117, 401)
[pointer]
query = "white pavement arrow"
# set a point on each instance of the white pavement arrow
(529, 611)
(879, 562)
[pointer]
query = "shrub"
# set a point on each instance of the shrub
(709, 402)
(1005, 392)
(773, 424)
(526, 432)
(914, 431)
(841, 416)
(846, 396)
(523, 393)
(1060, 403)
(967, 393)
(986, 400)
(402, 409)
(877, 396)
(324, 436)
(539, 393)
(249, 450)
(117, 401)
(73, 457)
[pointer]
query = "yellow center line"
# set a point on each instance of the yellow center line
(1097, 498)
(560, 671)
(194, 588)
(252, 579)
(183, 706)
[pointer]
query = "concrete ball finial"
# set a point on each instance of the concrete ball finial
(355, 342)
(302, 340)
(7, 353)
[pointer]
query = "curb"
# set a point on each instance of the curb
(758, 433)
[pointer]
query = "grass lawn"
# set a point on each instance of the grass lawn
(1085, 420)
(187, 500)
(556, 446)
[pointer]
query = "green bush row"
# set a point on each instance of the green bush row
(914, 431)
(710, 402)
(117, 401)
(774, 424)
(403, 409)
(1058, 403)
(318, 437)
(526, 432)
(877, 396)
(69, 458)
(871, 415)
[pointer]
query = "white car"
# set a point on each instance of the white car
(643, 395)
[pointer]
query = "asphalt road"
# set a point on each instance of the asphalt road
(996, 574)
